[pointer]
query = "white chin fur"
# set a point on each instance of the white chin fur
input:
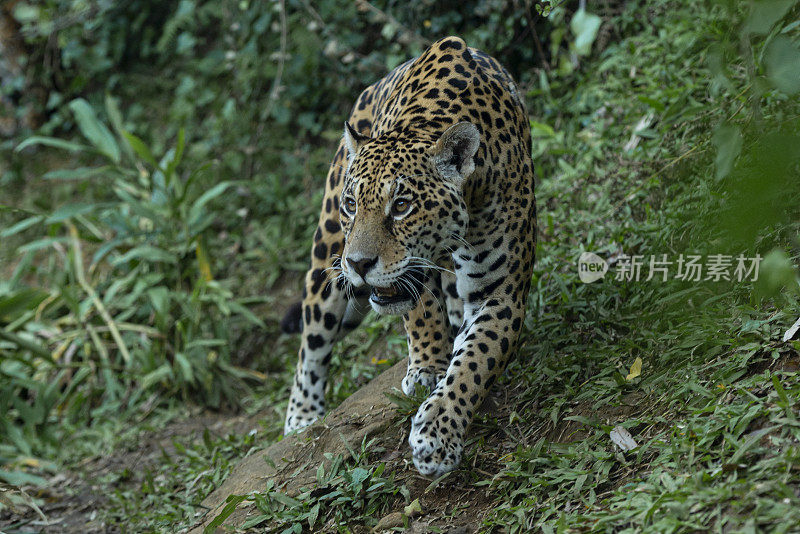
(398, 308)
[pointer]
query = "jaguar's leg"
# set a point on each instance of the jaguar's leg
(324, 307)
(327, 317)
(329, 310)
(429, 339)
(494, 310)
(455, 306)
(481, 352)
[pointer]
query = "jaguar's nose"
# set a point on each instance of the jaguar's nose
(363, 265)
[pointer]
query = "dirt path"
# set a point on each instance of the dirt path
(292, 464)
(73, 498)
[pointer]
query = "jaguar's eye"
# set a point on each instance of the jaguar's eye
(349, 205)
(400, 207)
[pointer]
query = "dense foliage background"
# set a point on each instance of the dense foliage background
(161, 167)
(166, 100)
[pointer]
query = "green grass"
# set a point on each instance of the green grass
(714, 410)
(169, 491)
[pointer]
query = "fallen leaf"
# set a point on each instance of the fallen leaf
(30, 462)
(792, 332)
(636, 369)
(413, 510)
(7, 491)
(643, 124)
(622, 438)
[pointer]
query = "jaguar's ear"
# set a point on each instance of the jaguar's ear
(454, 151)
(352, 139)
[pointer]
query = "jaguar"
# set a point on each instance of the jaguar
(429, 212)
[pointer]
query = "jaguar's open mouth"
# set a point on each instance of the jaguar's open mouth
(387, 295)
(399, 297)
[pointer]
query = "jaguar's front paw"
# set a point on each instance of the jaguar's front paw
(436, 438)
(428, 377)
(299, 419)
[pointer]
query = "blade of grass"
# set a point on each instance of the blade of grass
(77, 260)
(23, 343)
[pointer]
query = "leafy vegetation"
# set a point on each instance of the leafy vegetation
(168, 493)
(348, 492)
(146, 258)
(140, 310)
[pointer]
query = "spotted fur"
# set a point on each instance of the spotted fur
(429, 212)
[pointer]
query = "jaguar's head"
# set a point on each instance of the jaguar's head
(402, 210)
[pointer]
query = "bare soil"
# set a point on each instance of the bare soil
(73, 498)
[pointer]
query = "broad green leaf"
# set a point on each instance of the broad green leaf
(147, 253)
(22, 225)
(164, 372)
(197, 208)
(25, 13)
(51, 142)
(764, 14)
(177, 155)
(313, 514)
(184, 367)
(776, 273)
(159, 297)
(197, 226)
(776, 382)
(647, 133)
(246, 313)
(584, 27)
(70, 210)
(42, 243)
(579, 482)
(141, 149)
(728, 140)
(782, 59)
(107, 247)
(95, 131)
(297, 528)
(652, 102)
(21, 478)
(193, 176)
(285, 499)
(81, 173)
(539, 129)
(114, 114)
(25, 299)
(752, 439)
(359, 475)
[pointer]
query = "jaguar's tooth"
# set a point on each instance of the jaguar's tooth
(385, 291)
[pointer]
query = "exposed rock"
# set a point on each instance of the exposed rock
(294, 460)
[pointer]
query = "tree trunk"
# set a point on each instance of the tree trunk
(15, 115)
